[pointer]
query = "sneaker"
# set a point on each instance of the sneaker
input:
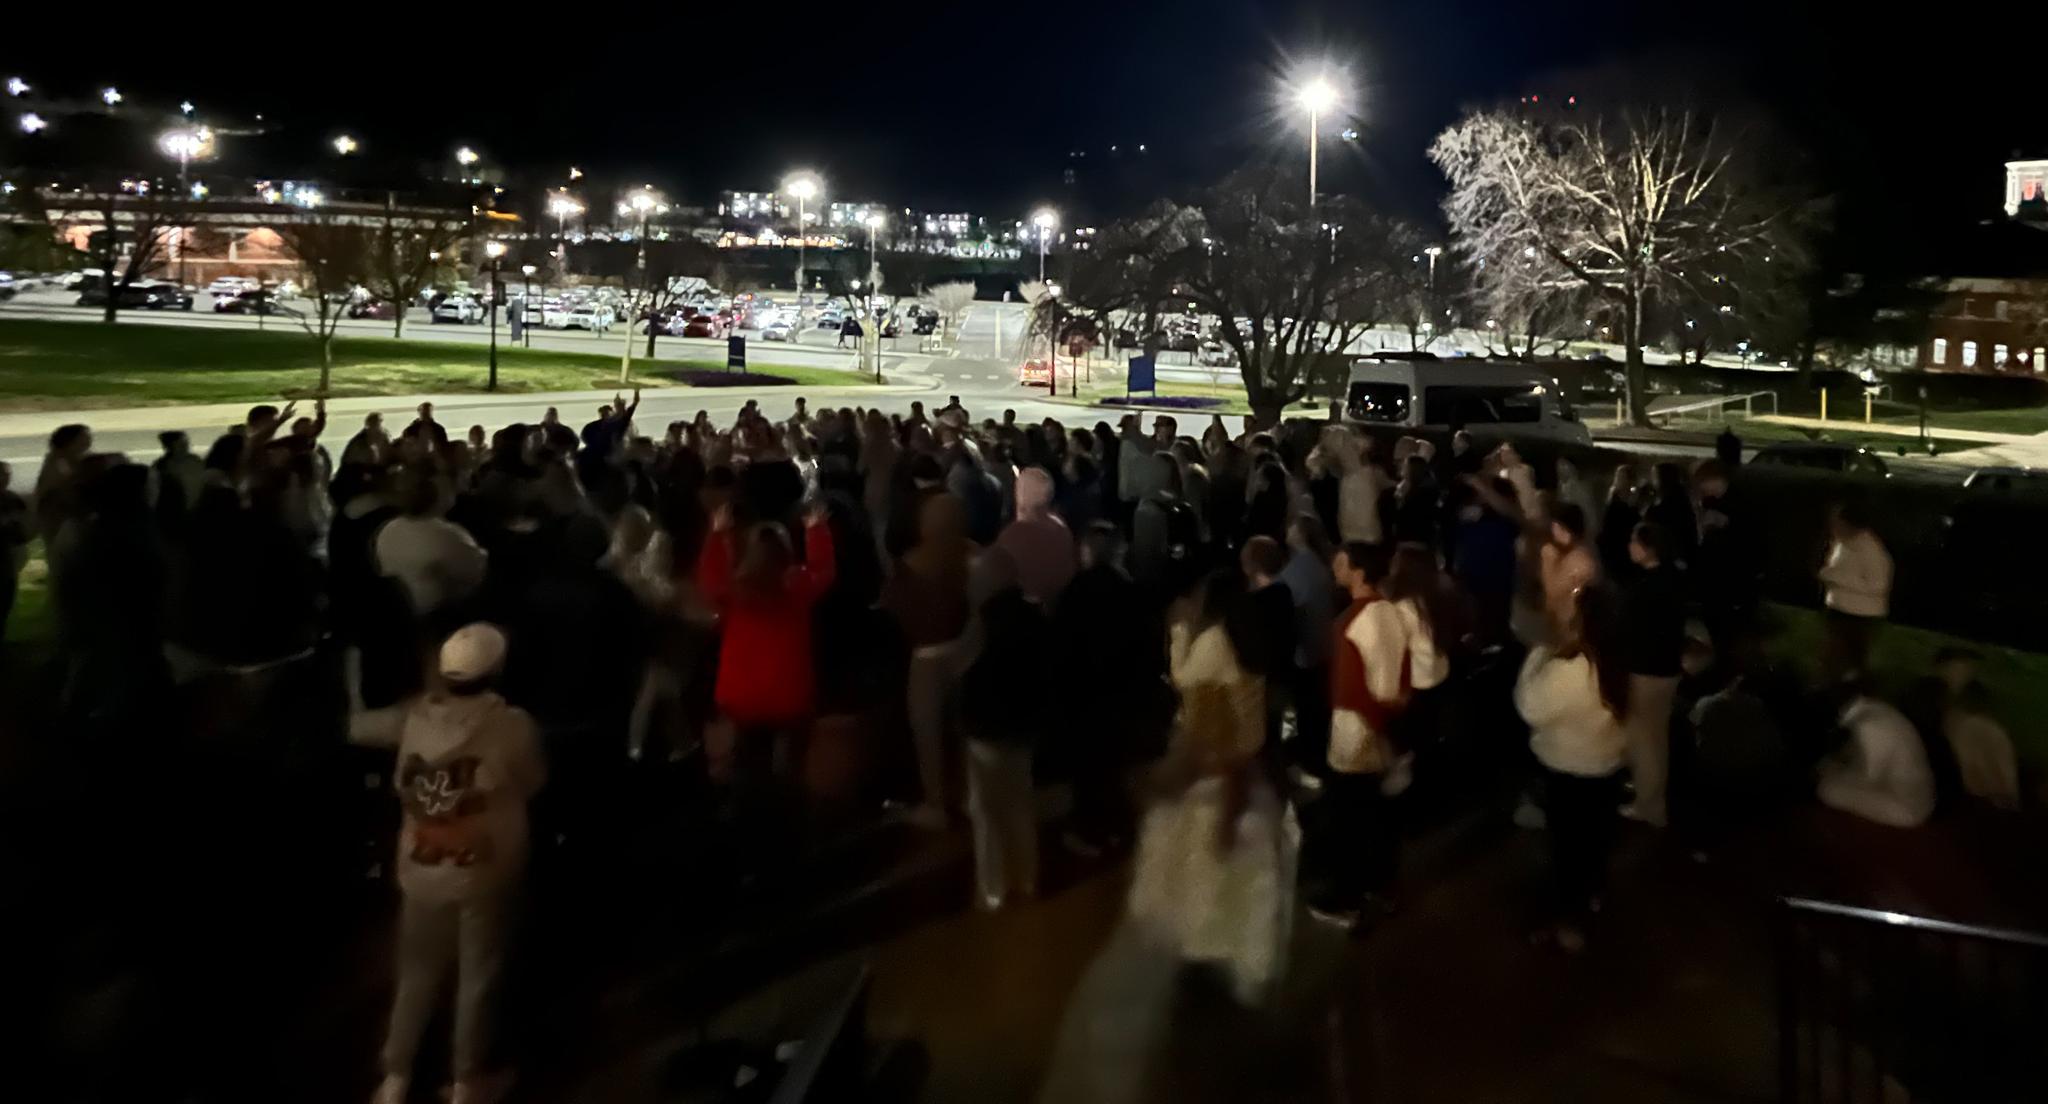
(1400, 776)
(393, 1090)
(1336, 917)
(1530, 815)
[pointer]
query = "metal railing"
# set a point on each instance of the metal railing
(1880, 1006)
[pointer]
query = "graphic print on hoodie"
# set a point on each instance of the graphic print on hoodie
(467, 765)
(446, 809)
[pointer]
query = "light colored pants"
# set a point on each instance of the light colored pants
(933, 670)
(1003, 808)
(468, 936)
(1650, 699)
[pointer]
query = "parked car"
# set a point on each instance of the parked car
(251, 301)
(588, 316)
(6, 286)
(830, 320)
(232, 285)
(141, 295)
(2022, 484)
(74, 281)
(1823, 456)
(779, 330)
(460, 310)
(372, 308)
(706, 325)
(1215, 354)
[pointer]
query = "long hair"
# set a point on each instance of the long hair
(1414, 577)
(1599, 640)
(764, 561)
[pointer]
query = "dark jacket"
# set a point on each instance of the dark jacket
(1653, 622)
(1166, 552)
(1002, 695)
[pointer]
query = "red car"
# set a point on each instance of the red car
(706, 325)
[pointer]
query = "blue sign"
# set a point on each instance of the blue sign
(1143, 375)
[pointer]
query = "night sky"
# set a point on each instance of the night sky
(978, 106)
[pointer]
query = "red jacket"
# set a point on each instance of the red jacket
(1348, 688)
(764, 660)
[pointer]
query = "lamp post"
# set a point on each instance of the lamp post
(1433, 252)
(1052, 360)
(1318, 96)
(526, 306)
(643, 202)
(494, 250)
(345, 145)
(1045, 219)
(874, 223)
(184, 143)
(466, 157)
(562, 206)
(804, 187)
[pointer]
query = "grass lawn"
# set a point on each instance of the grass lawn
(1762, 433)
(47, 365)
(2017, 681)
(2023, 420)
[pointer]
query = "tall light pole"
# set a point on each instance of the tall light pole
(1052, 351)
(1044, 219)
(345, 145)
(644, 203)
(562, 206)
(1432, 252)
(804, 187)
(467, 158)
(1318, 96)
(526, 306)
(874, 223)
(494, 250)
(185, 144)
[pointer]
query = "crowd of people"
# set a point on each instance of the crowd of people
(1238, 650)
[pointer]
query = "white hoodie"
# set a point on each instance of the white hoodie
(1571, 730)
(467, 766)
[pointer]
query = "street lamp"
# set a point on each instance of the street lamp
(32, 123)
(110, 96)
(526, 305)
(1045, 219)
(562, 205)
(1318, 96)
(1052, 338)
(804, 187)
(494, 250)
(1433, 252)
(17, 87)
(345, 145)
(466, 157)
(874, 223)
(185, 108)
(185, 144)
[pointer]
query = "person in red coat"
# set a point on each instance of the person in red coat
(763, 597)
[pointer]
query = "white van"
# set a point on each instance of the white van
(1492, 398)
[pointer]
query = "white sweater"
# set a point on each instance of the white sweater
(1858, 576)
(1383, 633)
(1571, 730)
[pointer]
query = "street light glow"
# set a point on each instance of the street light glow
(186, 144)
(1318, 95)
(17, 87)
(802, 185)
(32, 122)
(185, 108)
(528, 270)
(1045, 218)
(345, 145)
(1433, 250)
(874, 222)
(563, 206)
(643, 201)
(111, 96)
(466, 157)
(494, 249)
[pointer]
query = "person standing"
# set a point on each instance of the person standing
(1618, 521)
(426, 428)
(1857, 579)
(1038, 541)
(468, 764)
(1574, 696)
(16, 530)
(1005, 715)
(1360, 487)
(927, 595)
(1653, 637)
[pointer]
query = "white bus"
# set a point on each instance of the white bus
(1491, 398)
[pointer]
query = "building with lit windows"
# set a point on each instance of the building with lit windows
(755, 205)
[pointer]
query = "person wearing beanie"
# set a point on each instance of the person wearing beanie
(1038, 542)
(468, 764)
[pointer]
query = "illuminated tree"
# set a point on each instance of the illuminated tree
(334, 257)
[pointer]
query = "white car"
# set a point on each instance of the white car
(596, 319)
(453, 309)
(778, 330)
(232, 285)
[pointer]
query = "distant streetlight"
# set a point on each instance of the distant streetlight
(185, 108)
(466, 157)
(526, 306)
(1317, 96)
(1045, 219)
(17, 87)
(32, 123)
(494, 250)
(110, 96)
(562, 205)
(804, 187)
(345, 145)
(1433, 252)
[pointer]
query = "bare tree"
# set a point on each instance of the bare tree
(408, 252)
(333, 255)
(136, 225)
(1631, 208)
(952, 300)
